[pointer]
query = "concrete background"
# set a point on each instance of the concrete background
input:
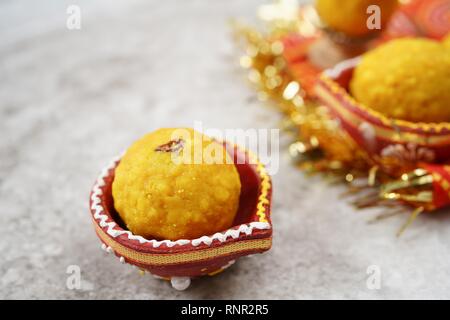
(71, 100)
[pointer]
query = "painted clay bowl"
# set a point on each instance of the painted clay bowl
(380, 136)
(181, 260)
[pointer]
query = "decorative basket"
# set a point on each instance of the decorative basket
(181, 260)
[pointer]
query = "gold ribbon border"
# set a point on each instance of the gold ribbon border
(389, 134)
(426, 128)
(241, 246)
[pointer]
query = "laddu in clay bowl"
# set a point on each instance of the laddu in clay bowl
(165, 209)
(394, 101)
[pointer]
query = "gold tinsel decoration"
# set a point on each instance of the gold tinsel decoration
(319, 144)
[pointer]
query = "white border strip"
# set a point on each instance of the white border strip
(336, 71)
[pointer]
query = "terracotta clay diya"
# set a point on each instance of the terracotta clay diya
(181, 260)
(378, 135)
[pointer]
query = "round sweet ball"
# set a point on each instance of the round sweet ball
(405, 79)
(176, 184)
(350, 16)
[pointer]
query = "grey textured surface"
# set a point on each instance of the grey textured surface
(71, 100)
